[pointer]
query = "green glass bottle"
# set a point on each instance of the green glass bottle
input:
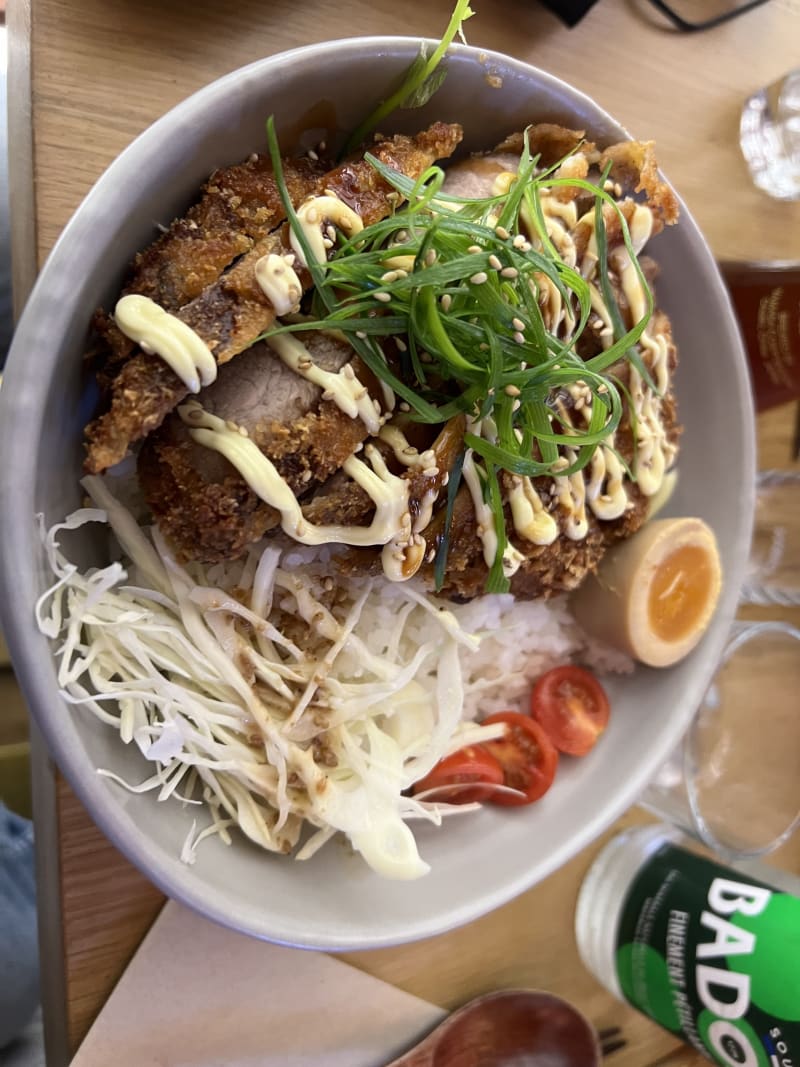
(710, 953)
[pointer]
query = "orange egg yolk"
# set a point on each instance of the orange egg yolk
(680, 592)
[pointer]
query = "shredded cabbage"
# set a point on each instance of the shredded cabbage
(280, 692)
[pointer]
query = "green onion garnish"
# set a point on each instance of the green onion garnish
(420, 81)
(465, 300)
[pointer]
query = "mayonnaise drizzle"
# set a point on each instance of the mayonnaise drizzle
(313, 214)
(531, 520)
(347, 392)
(404, 451)
(403, 551)
(160, 334)
(279, 283)
(571, 496)
(484, 516)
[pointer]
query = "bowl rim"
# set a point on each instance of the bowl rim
(22, 405)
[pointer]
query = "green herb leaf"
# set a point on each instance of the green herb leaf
(414, 79)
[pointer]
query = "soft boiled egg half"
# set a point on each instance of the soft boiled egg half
(653, 596)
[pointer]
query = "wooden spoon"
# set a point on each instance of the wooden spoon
(512, 1028)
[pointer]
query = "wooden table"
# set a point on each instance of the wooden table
(86, 76)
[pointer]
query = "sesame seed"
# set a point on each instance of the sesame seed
(243, 431)
(518, 324)
(312, 155)
(430, 472)
(502, 233)
(511, 390)
(361, 335)
(431, 556)
(516, 405)
(483, 346)
(389, 277)
(602, 388)
(474, 248)
(404, 406)
(401, 345)
(431, 256)
(509, 272)
(519, 338)
(519, 241)
(495, 263)
(305, 364)
(329, 230)
(446, 302)
(305, 476)
(479, 278)
(383, 297)
(327, 242)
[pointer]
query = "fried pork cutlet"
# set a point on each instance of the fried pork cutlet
(548, 570)
(209, 513)
(233, 311)
(200, 501)
(239, 205)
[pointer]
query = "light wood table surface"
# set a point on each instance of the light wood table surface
(86, 76)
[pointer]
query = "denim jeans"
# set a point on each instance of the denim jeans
(19, 956)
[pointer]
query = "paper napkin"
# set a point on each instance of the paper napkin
(197, 995)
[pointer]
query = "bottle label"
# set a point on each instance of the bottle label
(714, 957)
(767, 303)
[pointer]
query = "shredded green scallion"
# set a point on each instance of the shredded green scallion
(420, 82)
(468, 310)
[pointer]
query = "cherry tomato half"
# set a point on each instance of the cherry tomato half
(572, 707)
(526, 755)
(470, 764)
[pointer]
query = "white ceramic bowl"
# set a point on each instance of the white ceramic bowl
(478, 862)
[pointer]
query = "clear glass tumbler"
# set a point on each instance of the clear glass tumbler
(734, 781)
(769, 134)
(774, 568)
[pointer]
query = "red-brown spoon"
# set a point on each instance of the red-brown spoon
(512, 1028)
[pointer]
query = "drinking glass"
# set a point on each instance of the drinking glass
(769, 135)
(773, 575)
(734, 781)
